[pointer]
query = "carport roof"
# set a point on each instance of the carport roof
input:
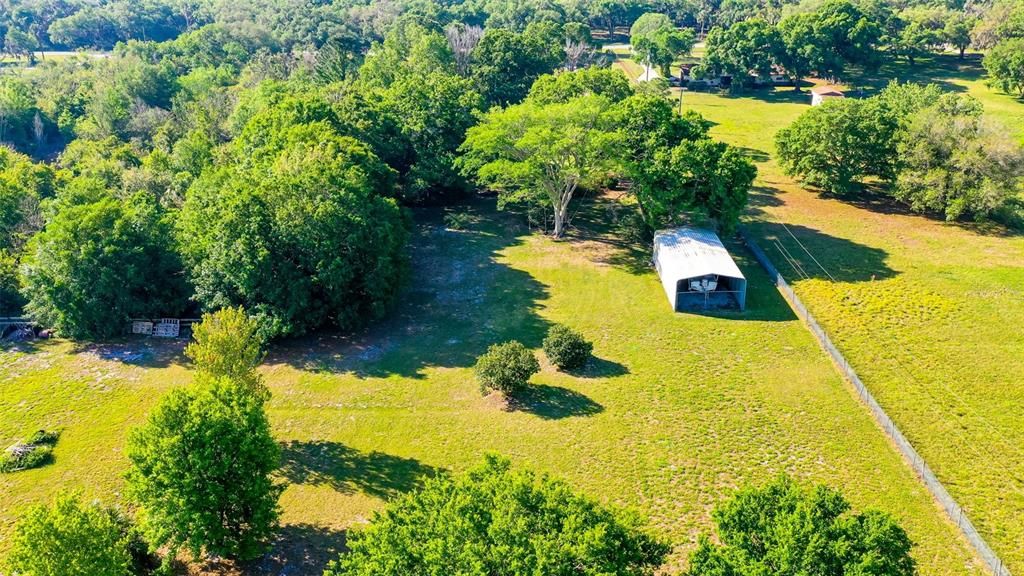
(691, 252)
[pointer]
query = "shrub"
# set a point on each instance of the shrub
(33, 453)
(566, 348)
(500, 521)
(44, 437)
(227, 343)
(25, 457)
(457, 220)
(506, 367)
(70, 538)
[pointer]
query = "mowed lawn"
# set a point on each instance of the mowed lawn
(674, 412)
(929, 313)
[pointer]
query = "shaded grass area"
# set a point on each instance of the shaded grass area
(929, 313)
(674, 412)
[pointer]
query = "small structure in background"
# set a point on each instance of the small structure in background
(819, 94)
(697, 271)
(167, 328)
(144, 327)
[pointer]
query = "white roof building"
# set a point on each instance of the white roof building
(697, 271)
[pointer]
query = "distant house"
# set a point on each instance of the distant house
(778, 77)
(697, 271)
(821, 93)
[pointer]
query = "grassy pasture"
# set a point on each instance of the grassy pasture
(929, 313)
(675, 411)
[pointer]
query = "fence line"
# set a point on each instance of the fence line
(953, 510)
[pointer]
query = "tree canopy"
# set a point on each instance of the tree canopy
(958, 163)
(835, 145)
(200, 471)
(502, 521)
(782, 529)
(1005, 66)
(296, 226)
(101, 261)
(70, 538)
(541, 154)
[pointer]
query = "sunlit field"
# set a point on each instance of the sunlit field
(673, 413)
(929, 313)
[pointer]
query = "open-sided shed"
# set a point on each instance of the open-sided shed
(697, 271)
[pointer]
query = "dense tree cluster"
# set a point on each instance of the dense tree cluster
(657, 41)
(234, 154)
(825, 41)
(837, 38)
(937, 153)
(580, 126)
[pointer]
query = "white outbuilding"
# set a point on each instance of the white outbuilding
(697, 271)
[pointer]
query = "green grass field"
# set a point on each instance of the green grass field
(675, 411)
(929, 313)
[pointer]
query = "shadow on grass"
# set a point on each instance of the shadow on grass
(801, 252)
(299, 549)
(461, 298)
(553, 402)
(600, 220)
(754, 154)
(761, 197)
(137, 351)
(600, 368)
(346, 470)
(777, 95)
(939, 69)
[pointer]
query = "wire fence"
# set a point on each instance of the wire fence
(953, 510)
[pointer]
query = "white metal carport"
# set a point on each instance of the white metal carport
(697, 271)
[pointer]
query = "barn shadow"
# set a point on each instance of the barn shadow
(346, 470)
(801, 253)
(554, 402)
(460, 298)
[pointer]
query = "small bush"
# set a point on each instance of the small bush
(506, 367)
(457, 220)
(566, 348)
(25, 457)
(44, 437)
(32, 453)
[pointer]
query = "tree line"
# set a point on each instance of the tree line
(30, 25)
(208, 171)
(935, 152)
(836, 39)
